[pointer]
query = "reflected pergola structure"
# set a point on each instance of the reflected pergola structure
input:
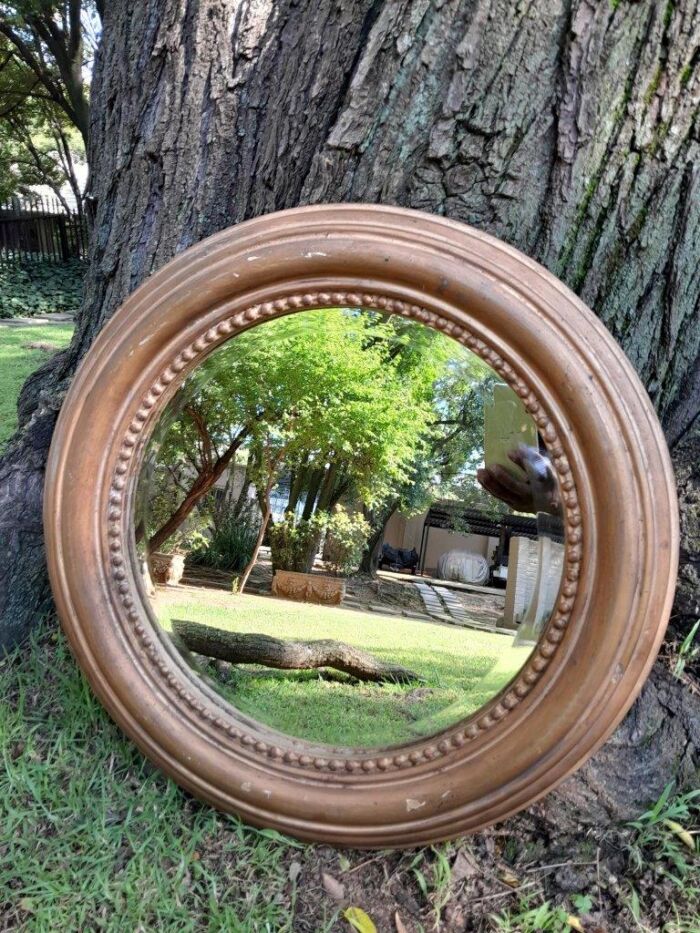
(453, 516)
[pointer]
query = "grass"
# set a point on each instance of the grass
(662, 848)
(543, 918)
(664, 841)
(462, 669)
(17, 362)
(663, 836)
(93, 837)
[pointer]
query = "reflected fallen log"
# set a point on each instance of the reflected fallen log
(254, 648)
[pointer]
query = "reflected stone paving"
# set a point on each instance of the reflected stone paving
(467, 609)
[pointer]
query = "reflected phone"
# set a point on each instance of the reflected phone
(507, 424)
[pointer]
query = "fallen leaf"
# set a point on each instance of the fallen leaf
(333, 887)
(358, 919)
(464, 866)
(400, 925)
(681, 832)
(294, 871)
(575, 923)
(510, 879)
(344, 863)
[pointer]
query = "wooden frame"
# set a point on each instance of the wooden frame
(603, 438)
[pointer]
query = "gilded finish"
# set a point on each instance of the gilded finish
(605, 444)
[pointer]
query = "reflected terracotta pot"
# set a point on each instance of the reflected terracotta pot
(167, 569)
(308, 587)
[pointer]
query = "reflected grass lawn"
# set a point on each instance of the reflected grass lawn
(462, 669)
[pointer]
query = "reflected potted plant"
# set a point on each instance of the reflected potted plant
(167, 565)
(346, 539)
(294, 545)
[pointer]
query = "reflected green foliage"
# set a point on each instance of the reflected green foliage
(293, 544)
(350, 405)
(312, 387)
(229, 548)
(462, 668)
(346, 535)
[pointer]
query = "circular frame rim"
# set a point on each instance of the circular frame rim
(516, 316)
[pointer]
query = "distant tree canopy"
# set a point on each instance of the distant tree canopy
(347, 404)
(46, 51)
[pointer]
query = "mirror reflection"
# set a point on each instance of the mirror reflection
(349, 527)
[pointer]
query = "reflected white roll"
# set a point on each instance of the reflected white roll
(463, 567)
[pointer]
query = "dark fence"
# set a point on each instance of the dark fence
(41, 229)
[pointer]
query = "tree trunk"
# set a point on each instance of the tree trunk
(251, 648)
(266, 510)
(200, 487)
(313, 485)
(566, 127)
(204, 482)
(243, 494)
(256, 550)
(298, 478)
(371, 553)
(325, 493)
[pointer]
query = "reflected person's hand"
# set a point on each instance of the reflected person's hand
(537, 491)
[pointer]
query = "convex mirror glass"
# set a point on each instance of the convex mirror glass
(349, 526)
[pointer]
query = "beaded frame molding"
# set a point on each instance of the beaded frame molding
(601, 433)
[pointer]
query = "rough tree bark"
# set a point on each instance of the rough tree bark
(378, 523)
(566, 127)
(252, 648)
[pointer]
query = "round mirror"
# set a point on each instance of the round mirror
(361, 525)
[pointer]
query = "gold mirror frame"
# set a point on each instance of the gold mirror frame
(602, 435)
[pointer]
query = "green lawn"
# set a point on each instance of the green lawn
(92, 837)
(462, 669)
(17, 362)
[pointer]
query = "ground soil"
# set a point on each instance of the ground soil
(503, 869)
(391, 594)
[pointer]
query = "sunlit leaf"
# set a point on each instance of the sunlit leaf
(358, 919)
(681, 832)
